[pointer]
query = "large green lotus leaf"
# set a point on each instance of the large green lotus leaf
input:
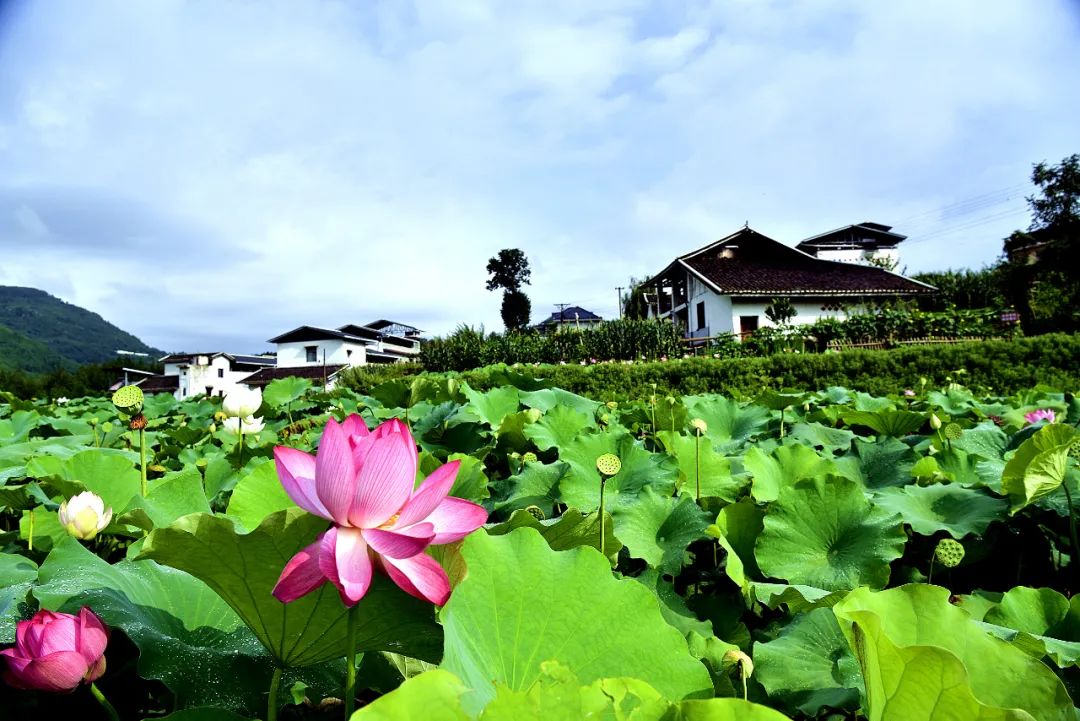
(954, 401)
(511, 431)
(640, 468)
(809, 665)
(548, 398)
(883, 464)
(243, 569)
(737, 529)
(493, 405)
(175, 494)
(658, 529)
(47, 529)
(258, 495)
(776, 401)
(958, 466)
(985, 440)
(17, 574)
(111, 476)
(1040, 621)
(698, 461)
(785, 466)
(823, 532)
(796, 598)
(538, 484)
(943, 507)
(556, 695)
(204, 713)
(1038, 466)
(820, 436)
(16, 428)
(673, 606)
(283, 391)
(923, 658)
(727, 421)
(570, 530)
(558, 427)
(449, 429)
(188, 638)
(887, 422)
(522, 603)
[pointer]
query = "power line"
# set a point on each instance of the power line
(968, 225)
(965, 206)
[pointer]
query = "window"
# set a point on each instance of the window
(312, 353)
(348, 353)
(220, 372)
(748, 324)
(701, 315)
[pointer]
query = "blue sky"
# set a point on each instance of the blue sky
(209, 174)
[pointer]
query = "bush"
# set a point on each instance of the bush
(997, 366)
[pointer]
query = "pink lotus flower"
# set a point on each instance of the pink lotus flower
(1043, 414)
(908, 393)
(57, 651)
(364, 481)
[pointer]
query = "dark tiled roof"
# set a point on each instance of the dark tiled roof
(159, 384)
(236, 358)
(749, 263)
(264, 376)
(570, 314)
(310, 332)
(865, 234)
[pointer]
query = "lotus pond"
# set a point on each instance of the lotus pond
(804, 555)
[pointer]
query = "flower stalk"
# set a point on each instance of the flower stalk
(350, 661)
(271, 702)
(110, 711)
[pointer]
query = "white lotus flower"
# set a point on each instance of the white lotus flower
(84, 515)
(249, 425)
(62, 400)
(242, 401)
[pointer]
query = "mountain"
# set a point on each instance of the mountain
(39, 332)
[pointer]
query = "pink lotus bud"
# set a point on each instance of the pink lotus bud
(57, 651)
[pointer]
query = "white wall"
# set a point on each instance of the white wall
(338, 352)
(808, 312)
(196, 377)
(859, 256)
(717, 308)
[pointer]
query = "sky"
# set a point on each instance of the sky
(207, 174)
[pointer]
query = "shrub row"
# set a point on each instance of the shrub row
(996, 366)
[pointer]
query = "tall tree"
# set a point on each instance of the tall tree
(1042, 275)
(509, 270)
(635, 304)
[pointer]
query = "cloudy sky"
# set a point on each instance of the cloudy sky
(208, 174)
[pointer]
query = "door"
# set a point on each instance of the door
(747, 324)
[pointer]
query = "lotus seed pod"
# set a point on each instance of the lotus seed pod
(608, 465)
(536, 512)
(935, 422)
(699, 425)
(949, 553)
(528, 457)
(953, 432)
(128, 399)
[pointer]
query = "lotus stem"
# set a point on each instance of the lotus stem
(697, 462)
(1072, 529)
(930, 575)
(271, 702)
(142, 461)
(30, 539)
(350, 661)
(603, 482)
(240, 445)
(109, 710)
(781, 422)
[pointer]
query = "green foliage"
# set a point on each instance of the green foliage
(963, 289)
(516, 310)
(781, 310)
(71, 333)
(999, 366)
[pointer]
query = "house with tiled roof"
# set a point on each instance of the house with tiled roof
(571, 317)
(726, 286)
(211, 373)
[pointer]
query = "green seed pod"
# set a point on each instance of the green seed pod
(608, 465)
(528, 457)
(536, 512)
(612, 405)
(949, 553)
(953, 432)
(128, 399)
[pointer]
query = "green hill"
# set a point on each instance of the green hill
(39, 332)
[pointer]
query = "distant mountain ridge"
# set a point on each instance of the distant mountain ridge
(39, 332)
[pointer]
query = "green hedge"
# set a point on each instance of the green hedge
(998, 366)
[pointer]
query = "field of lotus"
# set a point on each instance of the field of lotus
(433, 552)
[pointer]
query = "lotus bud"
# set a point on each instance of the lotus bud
(57, 651)
(700, 426)
(949, 553)
(249, 425)
(241, 402)
(935, 422)
(612, 405)
(128, 399)
(84, 515)
(609, 465)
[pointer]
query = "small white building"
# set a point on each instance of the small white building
(726, 286)
(212, 374)
(867, 243)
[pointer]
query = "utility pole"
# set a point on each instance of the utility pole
(562, 308)
(619, 290)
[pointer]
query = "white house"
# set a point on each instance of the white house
(192, 374)
(867, 243)
(726, 286)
